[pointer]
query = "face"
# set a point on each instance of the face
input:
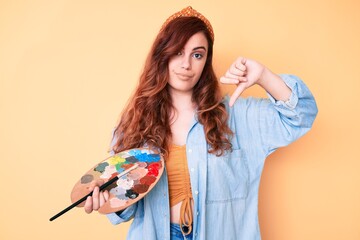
(186, 67)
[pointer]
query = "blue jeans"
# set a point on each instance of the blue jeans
(176, 234)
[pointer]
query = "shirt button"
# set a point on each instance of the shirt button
(190, 150)
(196, 192)
(197, 213)
(192, 169)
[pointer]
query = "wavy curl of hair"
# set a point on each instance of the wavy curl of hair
(146, 119)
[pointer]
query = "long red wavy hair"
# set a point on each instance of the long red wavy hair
(146, 118)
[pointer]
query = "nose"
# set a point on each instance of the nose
(186, 62)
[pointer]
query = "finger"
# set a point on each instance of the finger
(101, 199)
(88, 205)
(226, 80)
(240, 77)
(237, 71)
(95, 197)
(106, 195)
(243, 61)
(236, 94)
(240, 64)
(230, 80)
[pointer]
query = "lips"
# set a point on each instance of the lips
(183, 76)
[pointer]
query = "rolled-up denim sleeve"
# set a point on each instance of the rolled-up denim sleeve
(271, 123)
(124, 216)
(282, 122)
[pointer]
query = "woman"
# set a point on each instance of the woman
(214, 147)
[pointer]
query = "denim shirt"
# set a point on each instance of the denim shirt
(225, 188)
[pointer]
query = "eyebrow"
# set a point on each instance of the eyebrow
(197, 48)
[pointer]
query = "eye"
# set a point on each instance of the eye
(198, 55)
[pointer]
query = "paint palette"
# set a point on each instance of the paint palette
(136, 172)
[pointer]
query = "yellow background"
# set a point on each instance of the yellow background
(68, 67)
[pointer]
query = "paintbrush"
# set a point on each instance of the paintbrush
(102, 187)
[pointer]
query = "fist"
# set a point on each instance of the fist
(243, 73)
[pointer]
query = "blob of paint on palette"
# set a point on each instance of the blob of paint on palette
(130, 187)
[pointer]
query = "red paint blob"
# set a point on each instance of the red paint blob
(155, 165)
(153, 169)
(153, 172)
(140, 188)
(148, 180)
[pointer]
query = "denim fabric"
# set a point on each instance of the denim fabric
(225, 188)
(176, 234)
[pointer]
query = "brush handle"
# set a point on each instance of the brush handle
(102, 187)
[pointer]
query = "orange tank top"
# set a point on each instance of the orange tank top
(179, 184)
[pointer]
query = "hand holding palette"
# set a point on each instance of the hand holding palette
(128, 176)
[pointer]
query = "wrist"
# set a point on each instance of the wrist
(265, 76)
(274, 85)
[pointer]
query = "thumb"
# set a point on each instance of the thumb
(236, 94)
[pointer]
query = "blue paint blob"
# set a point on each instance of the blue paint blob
(145, 157)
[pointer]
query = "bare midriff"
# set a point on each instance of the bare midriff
(179, 187)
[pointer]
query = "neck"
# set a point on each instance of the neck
(182, 100)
